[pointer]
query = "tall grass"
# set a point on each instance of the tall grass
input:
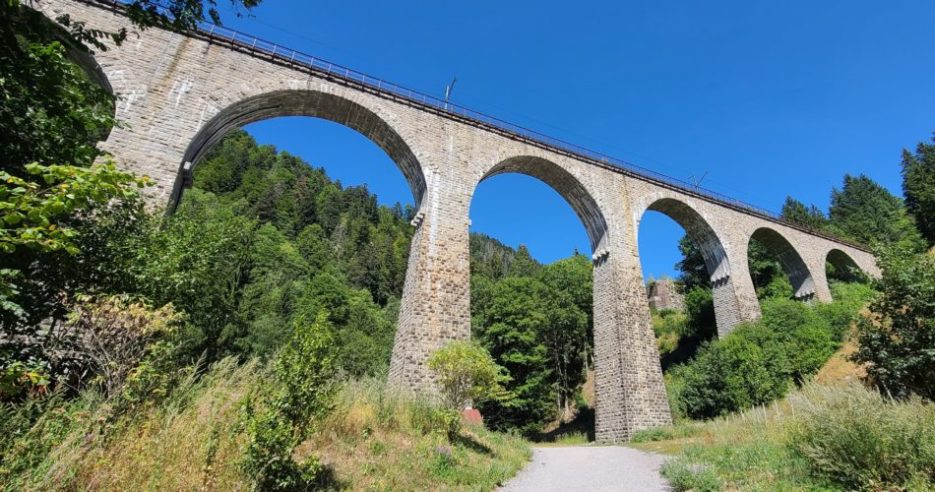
(381, 440)
(822, 437)
(194, 440)
(860, 439)
(190, 441)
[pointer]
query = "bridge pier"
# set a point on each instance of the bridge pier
(629, 387)
(436, 304)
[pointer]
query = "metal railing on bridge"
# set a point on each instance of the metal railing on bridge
(288, 55)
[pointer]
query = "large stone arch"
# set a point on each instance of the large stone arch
(565, 184)
(310, 103)
(727, 310)
(845, 265)
(803, 285)
(700, 232)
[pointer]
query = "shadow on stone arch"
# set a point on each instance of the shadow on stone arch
(39, 25)
(703, 236)
(839, 266)
(565, 184)
(779, 248)
(309, 103)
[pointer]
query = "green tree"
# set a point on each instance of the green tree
(865, 211)
(466, 372)
(810, 216)
(692, 267)
(919, 188)
(303, 392)
(523, 264)
(509, 327)
(897, 340)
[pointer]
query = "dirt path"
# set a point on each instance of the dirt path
(590, 468)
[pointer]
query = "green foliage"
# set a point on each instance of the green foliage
(20, 378)
(509, 329)
(810, 217)
(897, 340)
(866, 212)
(305, 369)
(523, 264)
(303, 394)
(110, 336)
(466, 372)
(694, 271)
(919, 188)
(539, 333)
(759, 362)
(860, 440)
(52, 112)
(688, 477)
(699, 308)
(490, 259)
(35, 213)
(669, 327)
(536, 322)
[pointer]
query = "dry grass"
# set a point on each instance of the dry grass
(840, 369)
(191, 443)
(375, 440)
(372, 441)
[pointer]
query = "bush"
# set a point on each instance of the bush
(699, 306)
(466, 372)
(111, 335)
(758, 362)
(685, 476)
(897, 340)
(304, 391)
(746, 368)
(864, 441)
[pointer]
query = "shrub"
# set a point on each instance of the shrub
(112, 334)
(862, 440)
(304, 390)
(685, 476)
(897, 340)
(699, 307)
(849, 298)
(466, 372)
(748, 367)
(22, 378)
(758, 362)
(268, 457)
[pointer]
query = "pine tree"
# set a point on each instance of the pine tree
(797, 212)
(866, 212)
(919, 188)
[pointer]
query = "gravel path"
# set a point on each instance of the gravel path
(590, 468)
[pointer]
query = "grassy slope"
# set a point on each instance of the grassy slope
(754, 449)
(194, 441)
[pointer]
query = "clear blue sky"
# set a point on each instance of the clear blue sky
(768, 98)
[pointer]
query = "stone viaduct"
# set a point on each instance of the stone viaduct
(178, 94)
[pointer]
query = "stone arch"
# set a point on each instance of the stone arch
(727, 310)
(700, 232)
(78, 53)
(310, 103)
(803, 285)
(566, 185)
(844, 266)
